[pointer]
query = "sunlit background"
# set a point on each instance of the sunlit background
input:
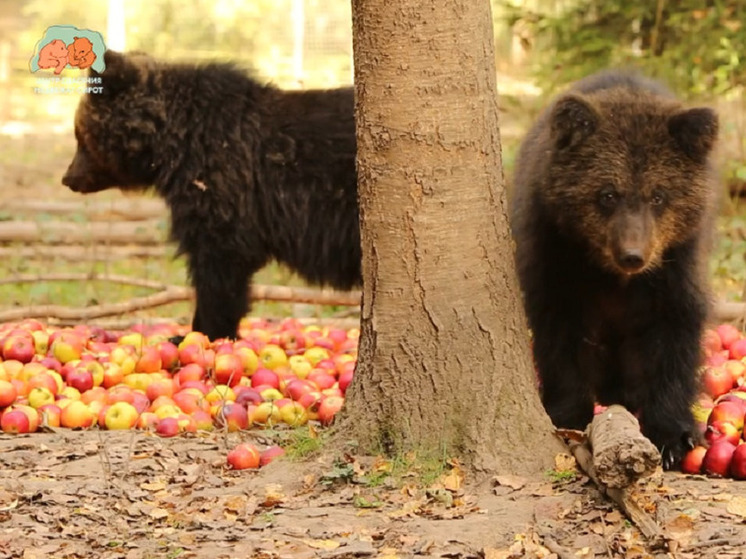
(47, 231)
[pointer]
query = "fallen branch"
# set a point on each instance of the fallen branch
(120, 324)
(92, 252)
(621, 453)
(647, 525)
(148, 232)
(134, 209)
(615, 454)
(168, 294)
(110, 278)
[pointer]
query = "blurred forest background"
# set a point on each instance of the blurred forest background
(47, 233)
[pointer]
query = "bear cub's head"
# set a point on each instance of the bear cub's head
(117, 127)
(629, 174)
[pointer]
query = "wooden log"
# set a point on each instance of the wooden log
(93, 252)
(615, 454)
(59, 232)
(622, 497)
(621, 453)
(129, 209)
(167, 295)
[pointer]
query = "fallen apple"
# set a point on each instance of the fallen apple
(243, 456)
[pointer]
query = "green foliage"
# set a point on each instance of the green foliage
(697, 47)
(561, 477)
(302, 442)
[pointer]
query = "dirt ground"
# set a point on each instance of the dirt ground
(129, 495)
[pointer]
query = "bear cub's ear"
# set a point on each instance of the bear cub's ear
(695, 131)
(573, 120)
(122, 71)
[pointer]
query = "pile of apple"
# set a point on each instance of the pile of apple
(82, 377)
(721, 408)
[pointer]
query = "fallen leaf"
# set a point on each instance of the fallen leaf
(153, 485)
(453, 480)
(158, 513)
(737, 506)
(564, 462)
(322, 544)
(514, 482)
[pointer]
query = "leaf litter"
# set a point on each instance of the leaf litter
(129, 495)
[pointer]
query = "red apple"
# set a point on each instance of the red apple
(717, 381)
(160, 387)
(203, 420)
(43, 380)
(246, 395)
(169, 355)
(731, 412)
(265, 376)
(728, 334)
(76, 415)
(717, 458)
(140, 401)
(189, 372)
(148, 360)
(243, 456)
(692, 462)
(167, 427)
(19, 347)
(722, 430)
(296, 388)
(80, 378)
(8, 393)
(67, 345)
(14, 421)
(190, 400)
(147, 420)
(344, 380)
(50, 415)
(270, 453)
(113, 375)
(737, 349)
(329, 407)
(232, 416)
(738, 462)
(228, 369)
(321, 378)
(736, 368)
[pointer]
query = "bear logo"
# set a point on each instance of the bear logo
(64, 46)
(80, 53)
(53, 55)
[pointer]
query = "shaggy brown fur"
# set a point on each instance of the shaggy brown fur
(612, 203)
(250, 173)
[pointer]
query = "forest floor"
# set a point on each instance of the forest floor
(130, 495)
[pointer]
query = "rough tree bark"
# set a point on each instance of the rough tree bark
(444, 355)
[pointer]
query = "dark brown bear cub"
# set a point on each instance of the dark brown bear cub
(612, 204)
(250, 173)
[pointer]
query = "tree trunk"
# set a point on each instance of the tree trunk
(444, 365)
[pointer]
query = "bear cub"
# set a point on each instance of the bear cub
(250, 173)
(611, 212)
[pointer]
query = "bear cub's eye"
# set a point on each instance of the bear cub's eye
(608, 197)
(657, 198)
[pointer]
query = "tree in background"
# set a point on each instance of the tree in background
(695, 46)
(444, 366)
